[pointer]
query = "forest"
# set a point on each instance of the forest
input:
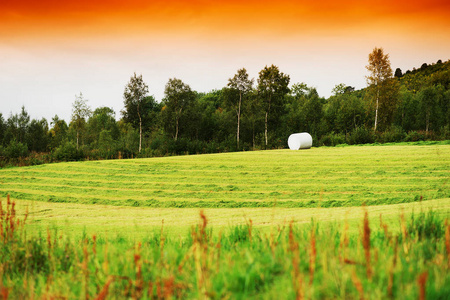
(246, 114)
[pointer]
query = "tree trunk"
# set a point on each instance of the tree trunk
(239, 119)
(253, 139)
(176, 130)
(253, 133)
(427, 122)
(267, 120)
(78, 132)
(265, 129)
(140, 136)
(140, 131)
(376, 110)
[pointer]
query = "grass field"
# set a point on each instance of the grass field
(281, 223)
(320, 177)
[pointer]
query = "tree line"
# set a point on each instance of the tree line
(246, 114)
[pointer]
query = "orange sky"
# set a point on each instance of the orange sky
(46, 19)
(322, 43)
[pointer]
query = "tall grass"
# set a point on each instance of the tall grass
(287, 262)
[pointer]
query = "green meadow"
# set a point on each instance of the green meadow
(320, 177)
(367, 222)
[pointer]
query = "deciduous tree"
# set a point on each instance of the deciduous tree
(37, 137)
(80, 112)
(240, 85)
(429, 101)
(272, 87)
(134, 97)
(380, 71)
(2, 129)
(178, 97)
(58, 132)
(398, 73)
(102, 119)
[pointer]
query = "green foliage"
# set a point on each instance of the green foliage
(414, 136)
(394, 134)
(239, 87)
(80, 113)
(136, 101)
(412, 107)
(343, 112)
(361, 135)
(178, 97)
(332, 139)
(68, 151)
(15, 150)
(272, 88)
(426, 225)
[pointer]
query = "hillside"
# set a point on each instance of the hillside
(240, 225)
(320, 177)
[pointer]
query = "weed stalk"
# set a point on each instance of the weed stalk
(366, 244)
(421, 282)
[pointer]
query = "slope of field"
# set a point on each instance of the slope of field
(136, 222)
(269, 226)
(319, 177)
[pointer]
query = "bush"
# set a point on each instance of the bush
(16, 149)
(414, 136)
(332, 139)
(196, 147)
(156, 143)
(360, 135)
(68, 152)
(394, 134)
(445, 133)
(35, 159)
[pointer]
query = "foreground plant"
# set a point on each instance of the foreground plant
(287, 262)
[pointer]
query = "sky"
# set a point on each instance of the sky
(52, 50)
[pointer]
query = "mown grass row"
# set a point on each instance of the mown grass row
(286, 262)
(320, 177)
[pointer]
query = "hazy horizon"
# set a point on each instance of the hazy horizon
(53, 50)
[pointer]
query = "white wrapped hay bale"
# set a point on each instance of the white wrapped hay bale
(298, 141)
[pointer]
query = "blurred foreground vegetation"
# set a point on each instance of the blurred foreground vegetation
(408, 261)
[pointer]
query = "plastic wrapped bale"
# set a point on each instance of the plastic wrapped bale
(298, 141)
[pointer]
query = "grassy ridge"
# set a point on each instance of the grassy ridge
(320, 177)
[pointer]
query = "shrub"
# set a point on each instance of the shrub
(394, 134)
(16, 149)
(36, 159)
(68, 152)
(445, 133)
(414, 136)
(360, 135)
(156, 143)
(332, 139)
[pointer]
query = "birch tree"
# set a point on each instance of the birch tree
(272, 87)
(242, 85)
(178, 97)
(80, 112)
(380, 71)
(134, 96)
